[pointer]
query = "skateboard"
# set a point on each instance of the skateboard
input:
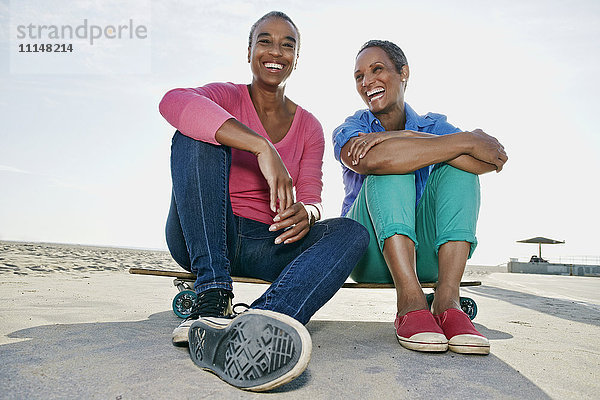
(184, 281)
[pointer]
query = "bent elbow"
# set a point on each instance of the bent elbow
(369, 166)
(169, 100)
(163, 105)
(364, 167)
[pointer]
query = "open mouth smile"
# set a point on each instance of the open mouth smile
(274, 67)
(375, 94)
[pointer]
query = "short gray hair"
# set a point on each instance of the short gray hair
(394, 52)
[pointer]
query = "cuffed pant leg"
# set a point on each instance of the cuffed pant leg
(448, 211)
(385, 206)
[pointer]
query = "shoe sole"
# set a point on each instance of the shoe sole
(422, 346)
(180, 335)
(256, 351)
(468, 348)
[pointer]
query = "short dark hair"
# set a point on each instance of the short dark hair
(394, 52)
(274, 14)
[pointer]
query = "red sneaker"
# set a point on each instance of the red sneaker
(418, 330)
(461, 333)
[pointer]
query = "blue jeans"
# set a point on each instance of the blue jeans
(206, 238)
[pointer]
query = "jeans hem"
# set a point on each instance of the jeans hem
(213, 285)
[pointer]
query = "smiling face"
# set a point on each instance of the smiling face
(273, 51)
(378, 82)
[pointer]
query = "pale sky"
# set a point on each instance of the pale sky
(84, 157)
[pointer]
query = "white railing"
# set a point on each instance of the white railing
(578, 260)
(571, 260)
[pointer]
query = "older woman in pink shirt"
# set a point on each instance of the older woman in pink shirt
(246, 168)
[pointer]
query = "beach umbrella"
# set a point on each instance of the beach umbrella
(540, 241)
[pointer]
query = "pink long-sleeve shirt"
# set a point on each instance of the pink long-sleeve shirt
(200, 112)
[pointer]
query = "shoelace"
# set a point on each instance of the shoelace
(211, 303)
(236, 313)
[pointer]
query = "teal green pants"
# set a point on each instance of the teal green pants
(447, 211)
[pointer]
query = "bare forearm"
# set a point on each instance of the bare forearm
(405, 154)
(401, 152)
(463, 162)
(470, 164)
(238, 136)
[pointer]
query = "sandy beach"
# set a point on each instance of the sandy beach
(75, 324)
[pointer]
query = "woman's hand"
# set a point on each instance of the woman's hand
(487, 149)
(296, 219)
(361, 144)
(278, 178)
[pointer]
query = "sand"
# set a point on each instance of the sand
(75, 324)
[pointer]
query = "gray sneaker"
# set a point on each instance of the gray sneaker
(210, 303)
(257, 350)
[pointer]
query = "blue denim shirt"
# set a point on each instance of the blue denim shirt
(365, 121)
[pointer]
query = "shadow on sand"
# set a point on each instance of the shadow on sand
(136, 360)
(566, 309)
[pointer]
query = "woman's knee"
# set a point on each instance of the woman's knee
(456, 189)
(351, 230)
(456, 177)
(185, 149)
(390, 198)
(390, 182)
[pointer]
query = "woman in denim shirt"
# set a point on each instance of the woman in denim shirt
(412, 181)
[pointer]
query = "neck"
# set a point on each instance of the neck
(393, 120)
(267, 98)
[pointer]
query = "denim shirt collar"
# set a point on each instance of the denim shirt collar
(413, 120)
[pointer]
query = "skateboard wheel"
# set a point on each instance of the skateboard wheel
(469, 306)
(183, 303)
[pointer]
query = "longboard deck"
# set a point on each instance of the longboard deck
(191, 277)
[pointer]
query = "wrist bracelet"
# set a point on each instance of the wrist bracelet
(312, 218)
